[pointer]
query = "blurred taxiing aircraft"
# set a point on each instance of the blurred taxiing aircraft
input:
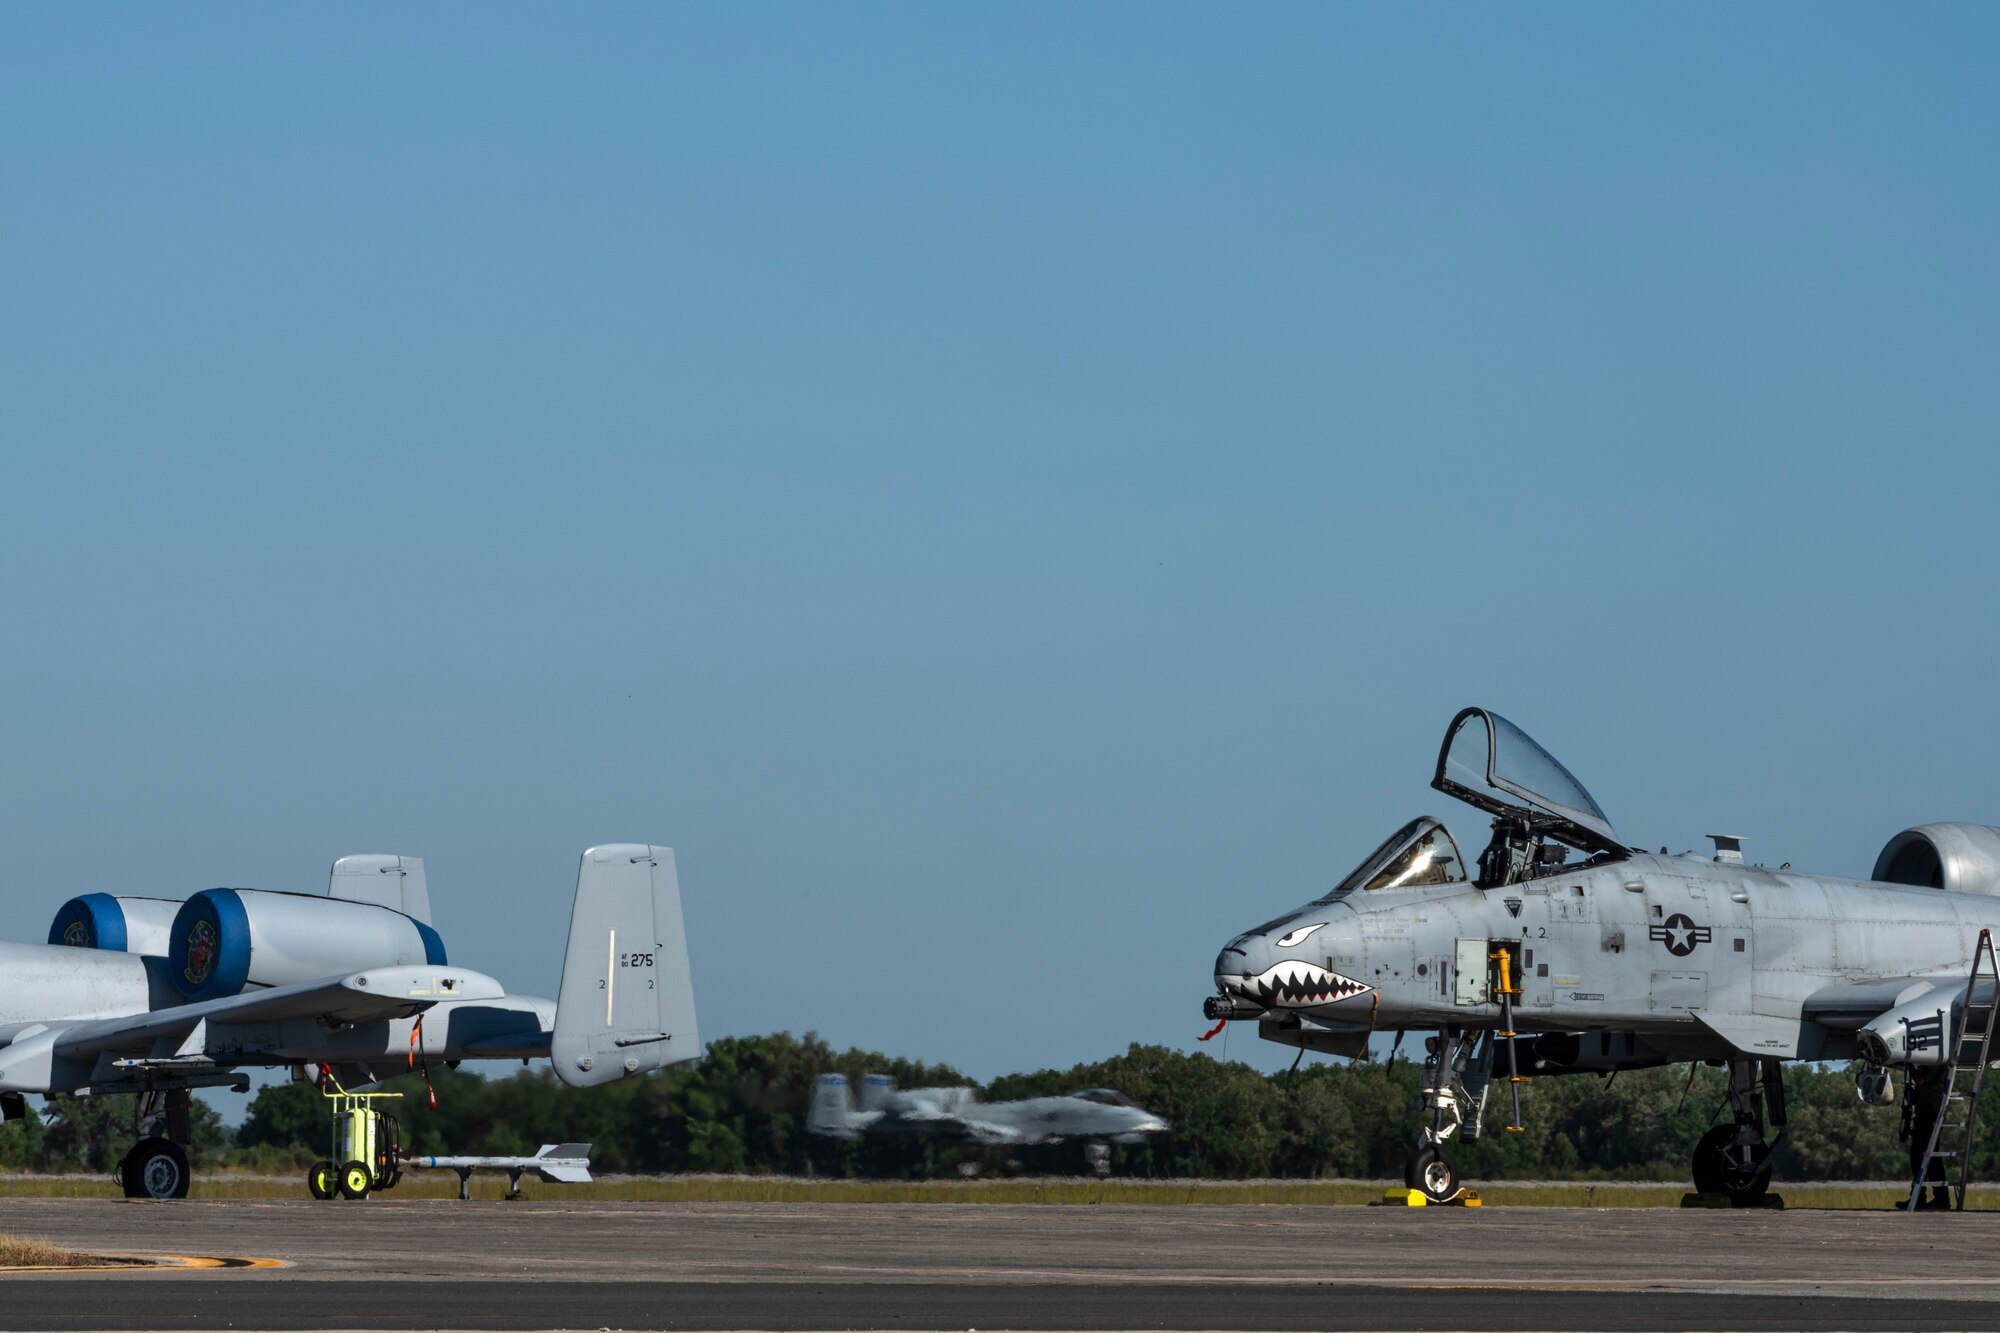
(1098, 1114)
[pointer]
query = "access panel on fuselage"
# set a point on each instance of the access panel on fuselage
(1469, 971)
(1556, 920)
(1698, 945)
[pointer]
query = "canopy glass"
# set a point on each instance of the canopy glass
(1493, 764)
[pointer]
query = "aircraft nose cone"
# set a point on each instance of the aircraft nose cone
(1237, 963)
(1292, 964)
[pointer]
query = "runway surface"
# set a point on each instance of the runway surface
(393, 1265)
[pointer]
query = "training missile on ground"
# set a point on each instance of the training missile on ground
(557, 1163)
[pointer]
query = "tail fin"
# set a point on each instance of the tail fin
(564, 1163)
(627, 1001)
(875, 1090)
(394, 882)
(832, 1109)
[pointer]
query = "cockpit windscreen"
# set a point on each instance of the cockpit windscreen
(1421, 852)
(1104, 1097)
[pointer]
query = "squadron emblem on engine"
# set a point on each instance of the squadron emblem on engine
(200, 953)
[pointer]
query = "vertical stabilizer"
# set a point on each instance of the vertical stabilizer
(627, 1000)
(875, 1091)
(833, 1108)
(394, 882)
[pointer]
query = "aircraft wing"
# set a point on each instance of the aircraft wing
(356, 997)
(924, 1114)
(1845, 1007)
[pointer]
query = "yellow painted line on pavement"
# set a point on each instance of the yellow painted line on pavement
(152, 1263)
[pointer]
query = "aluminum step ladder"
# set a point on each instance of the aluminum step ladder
(1971, 1051)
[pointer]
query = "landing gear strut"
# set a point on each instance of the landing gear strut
(1453, 1087)
(1098, 1156)
(1733, 1159)
(157, 1166)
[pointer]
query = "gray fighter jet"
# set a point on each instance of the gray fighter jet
(159, 997)
(1099, 1114)
(1602, 956)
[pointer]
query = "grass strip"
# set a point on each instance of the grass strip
(31, 1252)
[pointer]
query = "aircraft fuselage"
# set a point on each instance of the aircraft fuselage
(1697, 956)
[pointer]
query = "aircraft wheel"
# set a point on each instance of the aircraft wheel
(155, 1169)
(355, 1180)
(1432, 1172)
(1717, 1172)
(319, 1180)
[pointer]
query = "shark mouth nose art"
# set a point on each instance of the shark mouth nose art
(1296, 983)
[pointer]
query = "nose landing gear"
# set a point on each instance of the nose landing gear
(1433, 1173)
(1454, 1082)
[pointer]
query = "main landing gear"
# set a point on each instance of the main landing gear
(157, 1165)
(1457, 1073)
(1733, 1159)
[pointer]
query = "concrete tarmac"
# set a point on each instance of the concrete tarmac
(440, 1264)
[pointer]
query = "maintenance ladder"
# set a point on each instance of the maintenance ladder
(1970, 1053)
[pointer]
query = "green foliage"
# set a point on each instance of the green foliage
(285, 1115)
(743, 1108)
(21, 1143)
(94, 1133)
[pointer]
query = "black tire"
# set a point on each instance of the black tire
(155, 1169)
(1432, 1173)
(355, 1180)
(319, 1180)
(1717, 1172)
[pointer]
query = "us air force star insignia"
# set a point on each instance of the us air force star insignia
(1513, 906)
(1680, 934)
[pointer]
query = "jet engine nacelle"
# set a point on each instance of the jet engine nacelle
(226, 940)
(120, 925)
(1912, 1033)
(1959, 858)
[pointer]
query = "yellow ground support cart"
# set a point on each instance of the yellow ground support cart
(367, 1146)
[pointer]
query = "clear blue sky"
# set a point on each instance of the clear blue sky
(1012, 494)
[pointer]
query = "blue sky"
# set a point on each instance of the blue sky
(1012, 494)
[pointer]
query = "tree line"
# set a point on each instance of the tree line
(743, 1108)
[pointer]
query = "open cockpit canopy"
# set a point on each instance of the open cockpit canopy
(1421, 852)
(1489, 762)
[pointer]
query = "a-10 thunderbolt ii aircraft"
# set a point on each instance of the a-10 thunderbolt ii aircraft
(1603, 956)
(1103, 1115)
(159, 997)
